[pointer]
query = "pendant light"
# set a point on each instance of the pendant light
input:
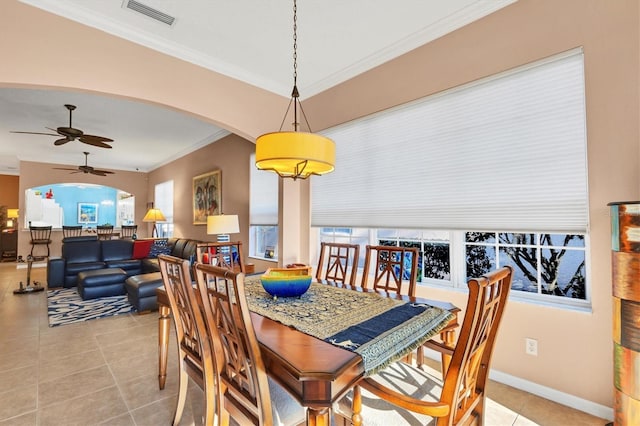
(295, 154)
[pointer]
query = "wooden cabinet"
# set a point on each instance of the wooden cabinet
(8, 245)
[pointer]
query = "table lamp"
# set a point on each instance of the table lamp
(154, 215)
(11, 215)
(222, 225)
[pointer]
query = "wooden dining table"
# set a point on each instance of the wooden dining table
(317, 373)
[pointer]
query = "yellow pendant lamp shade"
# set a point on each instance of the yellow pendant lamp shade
(295, 154)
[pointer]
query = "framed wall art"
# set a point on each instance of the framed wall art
(87, 212)
(207, 196)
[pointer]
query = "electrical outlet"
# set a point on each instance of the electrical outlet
(531, 346)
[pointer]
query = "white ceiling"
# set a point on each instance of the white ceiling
(250, 40)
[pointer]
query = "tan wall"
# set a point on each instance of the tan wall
(9, 191)
(231, 156)
(575, 350)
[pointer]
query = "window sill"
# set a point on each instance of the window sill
(266, 259)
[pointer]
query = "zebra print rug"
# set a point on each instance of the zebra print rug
(65, 306)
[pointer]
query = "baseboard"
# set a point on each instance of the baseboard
(23, 265)
(563, 398)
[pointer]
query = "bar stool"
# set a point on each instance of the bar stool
(71, 231)
(105, 232)
(40, 235)
(128, 231)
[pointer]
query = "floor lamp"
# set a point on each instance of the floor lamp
(222, 225)
(154, 215)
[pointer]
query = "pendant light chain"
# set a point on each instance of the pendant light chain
(295, 45)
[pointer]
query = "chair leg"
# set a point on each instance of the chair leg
(182, 393)
(356, 406)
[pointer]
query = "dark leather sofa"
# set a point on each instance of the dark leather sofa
(81, 254)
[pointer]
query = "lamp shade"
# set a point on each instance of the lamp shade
(295, 154)
(12, 213)
(223, 224)
(154, 215)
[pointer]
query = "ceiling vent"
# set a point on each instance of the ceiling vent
(150, 12)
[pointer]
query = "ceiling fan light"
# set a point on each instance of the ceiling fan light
(295, 154)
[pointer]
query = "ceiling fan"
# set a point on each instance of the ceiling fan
(70, 134)
(86, 168)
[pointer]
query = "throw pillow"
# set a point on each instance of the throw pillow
(159, 247)
(141, 248)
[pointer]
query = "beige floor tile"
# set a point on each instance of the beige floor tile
(126, 350)
(506, 396)
(19, 358)
(74, 385)
(87, 409)
(158, 413)
(545, 412)
(64, 366)
(17, 378)
(133, 367)
(28, 419)
(144, 390)
(131, 334)
(18, 401)
(122, 420)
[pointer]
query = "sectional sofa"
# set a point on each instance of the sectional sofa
(100, 268)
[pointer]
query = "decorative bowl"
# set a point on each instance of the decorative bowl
(286, 282)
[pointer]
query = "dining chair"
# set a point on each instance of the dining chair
(406, 394)
(249, 396)
(105, 232)
(393, 269)
(194, 348)
(40, 236)
(223, 254)
(338, 263)
(71, 231)
(128, 231)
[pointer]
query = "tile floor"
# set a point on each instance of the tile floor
(104, 372)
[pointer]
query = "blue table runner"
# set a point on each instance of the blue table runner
(380, 329)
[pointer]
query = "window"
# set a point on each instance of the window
(490, 173)
(263, 213)
(164, 201)
(547, 267)
(550, 264)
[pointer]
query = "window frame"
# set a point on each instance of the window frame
(457, 259)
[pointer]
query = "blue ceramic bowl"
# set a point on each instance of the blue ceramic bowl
(286, 286)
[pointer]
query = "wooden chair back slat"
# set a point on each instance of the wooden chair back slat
(128, 231)
(225, 254)
(387, 265)
(338, 263)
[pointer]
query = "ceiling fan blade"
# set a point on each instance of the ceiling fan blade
(97, 138)
(97, 141)
(98, 173)
(64, 168)
(62, 141)
(102, 172)
(35, 133)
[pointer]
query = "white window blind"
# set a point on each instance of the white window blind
(164, 199)
(263, 208)
(505, 153)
